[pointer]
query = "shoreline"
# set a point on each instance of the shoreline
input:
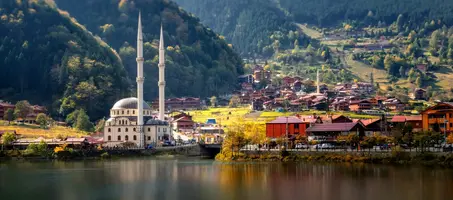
(390, 158)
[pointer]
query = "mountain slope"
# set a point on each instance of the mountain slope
(330, 12)
(50, 60)
(199, 63)
(248, 24)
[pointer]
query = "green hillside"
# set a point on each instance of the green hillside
(199, 62)
(331, 12)
(250, 25)
(49, 59)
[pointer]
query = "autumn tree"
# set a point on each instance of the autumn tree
(42, 120)
(22, 110)
(99, 128)
(234, 101)
(8, 138)
(213, 101)
(9, 115)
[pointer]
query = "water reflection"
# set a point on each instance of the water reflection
(202, 179)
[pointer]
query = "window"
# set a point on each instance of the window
(165, 129)
(296, 126)
(451, 125)
(109, 138)
(127, 111)
(133, 112)
(135, 137)
(135, 129)
(127, 130)
(119, 137)
(127, 137)
(122, 112)
(109, 130)
(119, 129)
(451, 115)
(158, 130)
(149, 138)
(149, 129)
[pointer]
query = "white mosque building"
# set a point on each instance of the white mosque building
(131, 118)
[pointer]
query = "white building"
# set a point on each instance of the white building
(122, 125)
(131, 118)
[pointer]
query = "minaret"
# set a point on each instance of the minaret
(140, 80)
(161, 76)
(317, 81)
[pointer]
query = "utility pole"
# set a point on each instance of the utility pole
(286, 131)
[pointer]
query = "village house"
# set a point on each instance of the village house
(283, 126)
(336, 129)
(339, 105)
(419, 94)
(183, 123)
(297, 85)
(257, 104)
(246, 78)
(259, 74)
(394, 104)
(360, 105)
(414, 121)
(438, 118)
(175, 104)
(4, 106)
(375, 126)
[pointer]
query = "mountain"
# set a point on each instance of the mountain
(49, 59)
(198, 62)
(331, 12)
(247, 24)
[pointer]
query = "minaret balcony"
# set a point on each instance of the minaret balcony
(162, 83)
(140, 59)
(140, 79)
(161, 65)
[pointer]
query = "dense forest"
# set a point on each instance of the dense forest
(199, 62)
(248, 24)
(49, 59)
(331, 12)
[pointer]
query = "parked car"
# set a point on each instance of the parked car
(302, 146)
(325, 146)
(150, 146)
(168, 143)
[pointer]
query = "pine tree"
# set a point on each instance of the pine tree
(83, 122)
(9, 115)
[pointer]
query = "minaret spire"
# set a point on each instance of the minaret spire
(140, 80)
(161, 83)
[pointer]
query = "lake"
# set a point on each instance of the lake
(184, 178)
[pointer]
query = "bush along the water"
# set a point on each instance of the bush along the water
(395, 157)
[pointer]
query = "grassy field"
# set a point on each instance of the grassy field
(34, 131)
(227, 116)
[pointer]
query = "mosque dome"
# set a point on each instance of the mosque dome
(129, 103)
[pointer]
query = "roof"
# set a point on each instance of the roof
(75, 139)
(284, 120)
(367, 122)
(398, 119)
(401, 119)
(129, 103)
(335, 127)
(156, 122)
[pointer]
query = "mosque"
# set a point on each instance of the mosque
(131, 118)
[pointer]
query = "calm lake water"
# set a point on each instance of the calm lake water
(161, 179)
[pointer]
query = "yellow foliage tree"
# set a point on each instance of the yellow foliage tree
(450, 139)
(255, 132)
(63, 147)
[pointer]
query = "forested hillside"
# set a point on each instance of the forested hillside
(248, 24)
(199, 62)
(330, 12)
(50, 60)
